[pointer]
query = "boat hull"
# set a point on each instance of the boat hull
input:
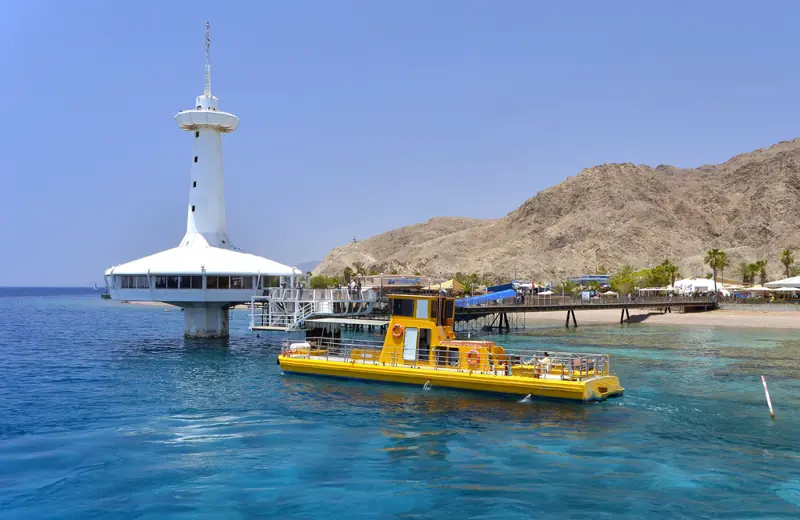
(594, 389)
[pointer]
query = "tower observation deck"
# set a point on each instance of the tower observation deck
(205, 274)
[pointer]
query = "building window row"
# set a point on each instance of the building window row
(133, 282)
(229, 282)
(196, 282)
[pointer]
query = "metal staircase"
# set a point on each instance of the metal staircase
(288, 309)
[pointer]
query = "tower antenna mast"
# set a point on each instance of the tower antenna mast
(207, 89)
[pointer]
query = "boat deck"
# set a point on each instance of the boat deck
(559, 376)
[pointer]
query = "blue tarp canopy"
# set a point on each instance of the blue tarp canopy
(486, 298)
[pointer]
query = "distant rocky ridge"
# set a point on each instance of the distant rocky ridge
(610, 215)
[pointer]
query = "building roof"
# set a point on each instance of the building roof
(449, 284)
(192, 260)
(786, 282)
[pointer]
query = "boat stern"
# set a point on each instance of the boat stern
(601, 388)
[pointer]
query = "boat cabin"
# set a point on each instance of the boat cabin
(420, 333)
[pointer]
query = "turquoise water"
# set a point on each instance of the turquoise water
(107, 412)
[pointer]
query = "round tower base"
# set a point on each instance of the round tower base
(205, 322)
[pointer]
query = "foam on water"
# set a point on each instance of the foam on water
(108, 413)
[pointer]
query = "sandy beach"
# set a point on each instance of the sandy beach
(718, 318)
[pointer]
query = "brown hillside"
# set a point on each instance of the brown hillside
(611, 215)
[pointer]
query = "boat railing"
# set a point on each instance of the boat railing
(518, 362)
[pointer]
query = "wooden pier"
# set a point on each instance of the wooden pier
(499, 313)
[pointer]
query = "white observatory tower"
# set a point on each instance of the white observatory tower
(205, 274)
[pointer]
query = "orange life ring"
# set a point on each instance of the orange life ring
(397, 330)
(473, 358)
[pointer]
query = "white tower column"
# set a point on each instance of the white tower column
(205, 222)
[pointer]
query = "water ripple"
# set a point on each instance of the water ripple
(108, 412)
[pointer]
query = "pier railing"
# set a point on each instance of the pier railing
(571, 301)
(518, 362)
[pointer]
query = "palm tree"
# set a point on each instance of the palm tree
(723, 263)
(752, 270)
(787, 259)
(670, 270)
(714, 258)
(348, 273)
(762, 271)
(743, 269)
(359, 268)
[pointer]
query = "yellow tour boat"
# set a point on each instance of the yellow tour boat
(420, 348)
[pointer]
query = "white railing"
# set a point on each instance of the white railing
(524, 363)
(288, 309)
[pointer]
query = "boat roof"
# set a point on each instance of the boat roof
(193, 260)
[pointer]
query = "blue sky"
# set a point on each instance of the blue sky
(359, 116)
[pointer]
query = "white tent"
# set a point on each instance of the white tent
(787, 289)
(690, 285)
(786, 282)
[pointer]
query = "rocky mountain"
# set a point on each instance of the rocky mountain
(611, 215)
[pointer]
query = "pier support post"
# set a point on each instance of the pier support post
(205, 322)
(628, 314)
(571, 313)
(622, 316)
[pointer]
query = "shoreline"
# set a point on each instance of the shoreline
(748, 319)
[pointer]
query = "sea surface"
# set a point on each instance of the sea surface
(107, 412)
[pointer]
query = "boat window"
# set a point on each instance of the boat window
(196, 282)
(449, 307)
(422, 309)
(211, 282)
(247, 282)
(424, 344)
(236, 282)
(161, 282)
(172, 282)
(224, 282)
(447, 356)
(435, 309)
(185, 282)
(402, 307)
(410, 343)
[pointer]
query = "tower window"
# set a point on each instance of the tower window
(194, 184)
(195, 158)
(197, 134)
(192, 209)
